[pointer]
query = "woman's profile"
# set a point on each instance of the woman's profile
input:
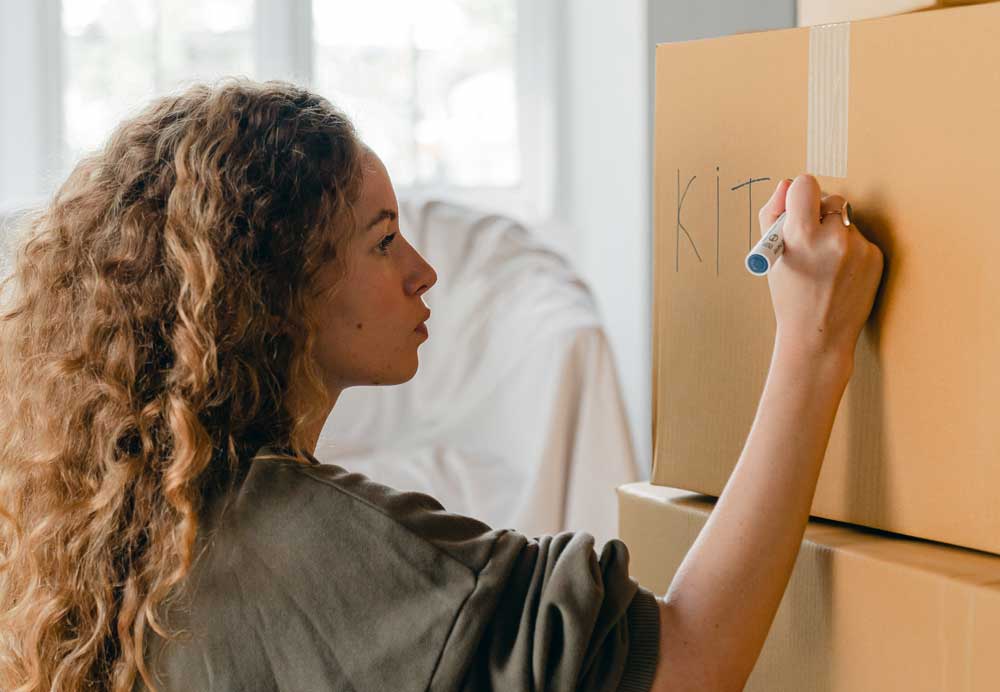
(181, 319)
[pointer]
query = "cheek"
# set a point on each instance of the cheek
(361, 316)
(354, 323)
(353, 304)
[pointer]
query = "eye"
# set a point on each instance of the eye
(384, 244)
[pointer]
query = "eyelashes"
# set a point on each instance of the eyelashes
(384, 244)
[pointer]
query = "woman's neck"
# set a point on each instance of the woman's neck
(314, 427)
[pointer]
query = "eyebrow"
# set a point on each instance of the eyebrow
(381, 216)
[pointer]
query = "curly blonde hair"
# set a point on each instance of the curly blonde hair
(155, 333)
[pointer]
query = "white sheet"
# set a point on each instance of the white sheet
(515, 415)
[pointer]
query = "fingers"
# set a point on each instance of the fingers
(774, 207)
(832, 223)
(808, 220)
(832, 203)
(803, 203)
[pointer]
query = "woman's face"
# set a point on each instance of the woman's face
(369, 329)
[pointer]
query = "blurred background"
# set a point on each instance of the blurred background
(540, 109)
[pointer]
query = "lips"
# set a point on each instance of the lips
(422, 328)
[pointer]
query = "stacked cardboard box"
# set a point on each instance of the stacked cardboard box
(900, 115)
(864, 611)
(813, 12)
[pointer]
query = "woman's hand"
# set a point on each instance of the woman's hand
(824, 286)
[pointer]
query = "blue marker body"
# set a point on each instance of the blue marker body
(768, 249)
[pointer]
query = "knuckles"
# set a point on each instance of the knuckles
(840, 243)
(834, 202)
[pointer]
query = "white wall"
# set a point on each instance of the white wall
(676, 20)
(602, 187)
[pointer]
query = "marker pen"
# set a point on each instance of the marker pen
(769, 248)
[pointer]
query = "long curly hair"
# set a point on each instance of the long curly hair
(155, 332)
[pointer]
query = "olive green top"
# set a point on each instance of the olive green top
(312, 578)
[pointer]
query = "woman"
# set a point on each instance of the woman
(185, 314)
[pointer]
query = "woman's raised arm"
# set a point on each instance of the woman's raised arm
(718, 610)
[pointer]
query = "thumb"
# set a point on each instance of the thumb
(774, 207)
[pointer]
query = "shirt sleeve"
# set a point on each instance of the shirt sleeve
(540, 614)
(548, 614)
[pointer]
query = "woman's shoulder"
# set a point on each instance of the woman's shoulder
(310, 569)
(283, 502)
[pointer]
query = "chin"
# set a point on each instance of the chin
(409, 375)
(398, 377)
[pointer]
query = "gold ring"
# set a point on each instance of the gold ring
(845, 213)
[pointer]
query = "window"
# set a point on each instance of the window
(456, 96)
(431, 85)
(121, 53)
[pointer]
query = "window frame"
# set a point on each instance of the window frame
(31, 142)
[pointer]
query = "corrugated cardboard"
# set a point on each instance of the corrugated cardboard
(812, 12)
(915, 448)
(864, 611)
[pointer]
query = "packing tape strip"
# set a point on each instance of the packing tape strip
(829, 77)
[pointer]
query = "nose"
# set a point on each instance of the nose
(423, 275)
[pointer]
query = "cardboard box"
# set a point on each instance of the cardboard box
(812, 12)
(864, 611)
(902, 116)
